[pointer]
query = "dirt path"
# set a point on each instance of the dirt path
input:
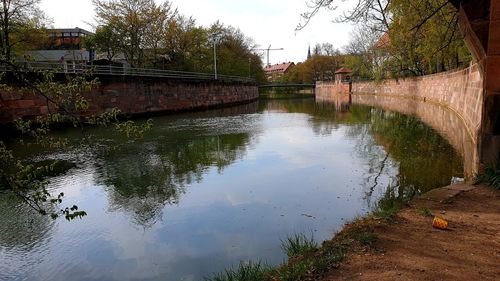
(410, 249)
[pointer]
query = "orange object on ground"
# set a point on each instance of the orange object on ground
(439, 223)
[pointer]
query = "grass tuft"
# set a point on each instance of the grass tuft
(246, 271)
(311, 266)
(298, 244)
(366, 238)
(425, 212)
(386, 213)
(390, 204)
(491, 176)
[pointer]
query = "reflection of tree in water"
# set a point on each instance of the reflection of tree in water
(426, 160)
(422, 158)
(400, 151)
(21, 228)
(144, 177)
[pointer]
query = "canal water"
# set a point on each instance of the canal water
(203, 191)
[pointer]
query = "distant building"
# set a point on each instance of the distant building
(309, 52)
(380, 55)
(274, 72)
(383, 42)
(343, 74)
(65, 46)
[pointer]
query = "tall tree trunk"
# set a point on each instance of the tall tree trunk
(5, 30)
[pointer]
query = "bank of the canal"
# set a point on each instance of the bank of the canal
(407, 247)
(401, 244)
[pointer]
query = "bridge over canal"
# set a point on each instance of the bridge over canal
(287, 89)
(285, 85)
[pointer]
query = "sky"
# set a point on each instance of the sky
(268, 22)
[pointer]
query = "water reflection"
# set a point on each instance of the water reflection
(22, 230)
(142, 178)
(204, 190)
(445, 122)
(391, 141)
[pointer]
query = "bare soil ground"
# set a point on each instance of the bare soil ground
(409, 248)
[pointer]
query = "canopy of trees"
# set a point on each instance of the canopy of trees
(156, 35)
(424, 38)
(398, 38)
(317, 68)
(21, 27)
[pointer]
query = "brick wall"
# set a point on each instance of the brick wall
(135, 96)
(460, 92)
(325, 90)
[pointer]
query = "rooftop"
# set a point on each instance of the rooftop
(69, 30)
(279, 67)
(343, 70)
(383, 41)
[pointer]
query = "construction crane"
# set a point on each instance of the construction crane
(267, 50)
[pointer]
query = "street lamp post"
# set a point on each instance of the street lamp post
(249, 67)
(215, 37)
(215, 60)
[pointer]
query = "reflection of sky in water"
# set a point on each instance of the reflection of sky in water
(288, 180)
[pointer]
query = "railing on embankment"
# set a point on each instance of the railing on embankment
(460, 92)
(118, 71)
(137, 92)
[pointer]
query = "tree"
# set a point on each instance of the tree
(21, 22)
(374, 13)
(317, 68)
(104, 40)
(422, 36)
(363, 53)
(425, 38)
(151, 35)
(186, 46)
(326, 49)
(66, 104)
(138, 24)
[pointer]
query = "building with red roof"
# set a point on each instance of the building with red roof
(383, 42)
(342, 74)
(274, 72)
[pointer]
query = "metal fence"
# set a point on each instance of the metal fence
(109, 70)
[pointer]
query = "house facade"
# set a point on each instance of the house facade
(274, 72)
(64, 46)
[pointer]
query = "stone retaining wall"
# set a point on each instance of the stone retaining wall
(448, 124)
(135, 96)
(460, 92)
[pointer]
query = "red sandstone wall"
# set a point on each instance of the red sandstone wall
(461, 91)
(135, 96)
(324, 90)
